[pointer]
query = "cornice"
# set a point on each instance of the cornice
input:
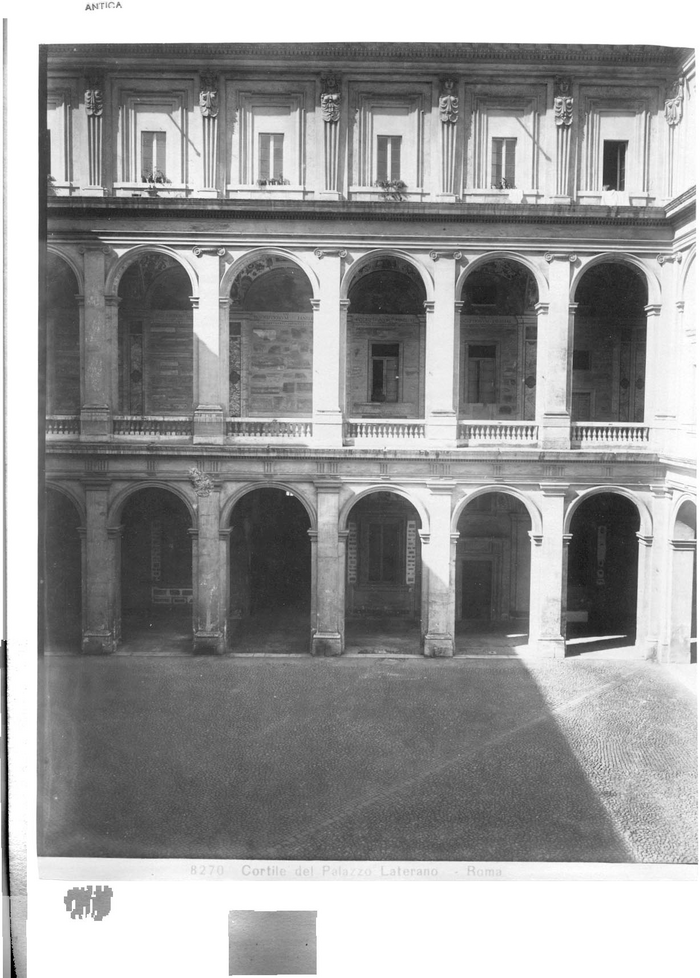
(74, 208)
(331, 53)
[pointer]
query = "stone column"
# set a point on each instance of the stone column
(100, 572)
(442, 352)
(548, 576)
(208, 613)
(554, 350)
(327, 360)
(209, 409)
(646, 636)
(654, 598)
(329, 575)
(98, 351)
(438, 555)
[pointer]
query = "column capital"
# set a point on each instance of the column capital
(92, 483)
(459, 305)
(554, 488)
(199, 250)
(663, 259)
(680, 305)
(429, 305)
(454, 255)
(441, 487)
(313, 535)
(341, 253)
(536, 538)
(541, 308)
(115, 532)
(315, 304)
(111, 299)
(653, 309)
(344, 304)
(688, 545)
(424, 536)
(194, 299)
(327, 485)
(225, 301)
(570, 256)
(644, 541)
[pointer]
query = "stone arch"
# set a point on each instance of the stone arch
(77, 271)
(117, 270)
(481, 260)
(619, 258)
(687, 267)
(355, 271)
(682, 503)
(231, 501)
(528, 503)
(117, 506)
(74, 498)
(241, 263)
(385, 487)
(645, 518)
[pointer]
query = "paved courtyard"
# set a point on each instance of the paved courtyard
(368, 757)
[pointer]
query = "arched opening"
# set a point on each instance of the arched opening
(498, 344)
(609, 350)
(156, 572)
(383, 576)
(62, 574)
(602, 578)
(271, 341)
(684, 642)
(270, 573)
(492, 575)
(62, 339)
(385, 344)
(155, 338)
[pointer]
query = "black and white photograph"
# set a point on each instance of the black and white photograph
(366, 498)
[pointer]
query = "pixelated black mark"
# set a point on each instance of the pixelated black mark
(81, 902)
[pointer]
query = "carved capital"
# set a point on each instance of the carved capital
(209, 95)
(673, 106)
(457, 255)
(448, 101)
(551, 256)
(330, 98)
(662, 259)
(198, 251)
(563, 102)
(331, 253)
(93, 96)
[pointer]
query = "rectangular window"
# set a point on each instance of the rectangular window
(271, 157)
(614, 153)
(385, 557)
(153, 156)
(384, 377)
(481, 375)
(388, 158)
(503, 163)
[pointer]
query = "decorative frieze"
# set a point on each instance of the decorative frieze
(456, 255)
(662, 259)
(341, 253)
(202, 482)
(551, 256)
(198, 251)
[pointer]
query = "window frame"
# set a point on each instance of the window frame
(375, 358)
(399, 525)
(479, 359)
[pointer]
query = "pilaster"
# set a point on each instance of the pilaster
(208, 618)
(548, 576)
(327, 637)
(99, 350)
(438, 556)
(328, 348)
(442, 352)
(209, 410)
(100, 549)
(554, 343)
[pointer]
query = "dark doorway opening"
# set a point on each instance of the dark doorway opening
(156, 573)
(492, 576)
(603, 557)
(62, 575)
(270, 573)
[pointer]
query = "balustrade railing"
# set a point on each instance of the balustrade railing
(269, 428)
(62, 424)
(387, 429)
(498, 433)
(609, 433)
(172, 427)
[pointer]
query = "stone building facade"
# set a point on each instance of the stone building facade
(370, 332)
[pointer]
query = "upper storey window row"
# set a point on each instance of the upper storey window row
(329, 137)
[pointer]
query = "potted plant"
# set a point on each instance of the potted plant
(392, 189)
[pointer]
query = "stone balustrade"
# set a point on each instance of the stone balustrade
(62, 424)
(172, 427)
(386, 429)
(599, 435)
(498, 433)
(269, 429)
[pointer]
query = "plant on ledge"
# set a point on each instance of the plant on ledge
(153, 177)
(274, 182)
(392, 189)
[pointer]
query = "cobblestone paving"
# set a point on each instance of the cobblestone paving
(368, 758)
